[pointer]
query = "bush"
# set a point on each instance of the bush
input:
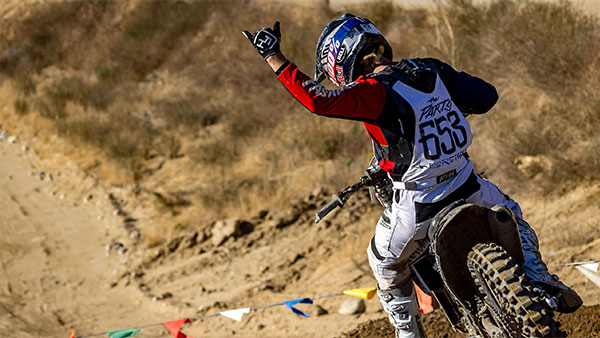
(50, 36)
(52, 104)
(217, 152)
(24, 84)
(542, 57)
(552, 47)
(21, 106)
(153, 31)
(190, 114)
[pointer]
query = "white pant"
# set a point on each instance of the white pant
(402, 229)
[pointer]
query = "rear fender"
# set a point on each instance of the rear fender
(453, 233)
(458, 228)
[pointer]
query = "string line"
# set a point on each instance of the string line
(212, 315)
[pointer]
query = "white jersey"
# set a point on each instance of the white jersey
(442, 135)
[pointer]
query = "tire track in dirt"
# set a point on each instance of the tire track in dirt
(54, 272)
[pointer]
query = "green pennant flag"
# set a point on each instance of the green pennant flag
(124, 333)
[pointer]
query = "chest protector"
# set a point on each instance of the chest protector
(438, 133)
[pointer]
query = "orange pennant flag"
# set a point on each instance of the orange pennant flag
(426, 303)
(175, 326)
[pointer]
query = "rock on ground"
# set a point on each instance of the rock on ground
(352, 306)
(230, 227)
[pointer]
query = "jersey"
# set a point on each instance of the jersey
(414, 139)
(442, 133)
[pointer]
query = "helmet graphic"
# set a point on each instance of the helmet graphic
(341, 44)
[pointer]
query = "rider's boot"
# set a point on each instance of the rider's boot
(403, 309)
(534, 268)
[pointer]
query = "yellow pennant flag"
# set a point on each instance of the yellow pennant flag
(364, 293)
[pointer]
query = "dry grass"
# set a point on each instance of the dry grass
(543, 57)
(177, 79)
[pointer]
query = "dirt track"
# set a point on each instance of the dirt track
(583, 323)
(56, 275)
(53, 264)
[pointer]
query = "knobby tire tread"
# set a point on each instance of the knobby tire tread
(511, 290)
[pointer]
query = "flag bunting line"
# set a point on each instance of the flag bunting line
(190, 319)
(575, 263)
(365, 293)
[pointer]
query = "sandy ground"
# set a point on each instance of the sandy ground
(56, 275)
(52, 257)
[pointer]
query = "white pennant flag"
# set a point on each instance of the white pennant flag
(236, 314)
(590, 271)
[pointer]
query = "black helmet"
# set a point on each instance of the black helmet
(341, 43)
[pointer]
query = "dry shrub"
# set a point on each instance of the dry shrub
(24, 84)
(99, 95)
(554, 43)
(215, 152)
(188, 113)
(322, 139)
(382, 13)
(52, 105)
(154, 31)
(535, 50)
(21, 106)
(123, 136)
(49, 36)
(269, 148)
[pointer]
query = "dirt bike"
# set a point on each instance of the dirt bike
(471, 265)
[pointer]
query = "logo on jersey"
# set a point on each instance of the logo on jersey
(317, 89)
(446, 176)
(434, 108)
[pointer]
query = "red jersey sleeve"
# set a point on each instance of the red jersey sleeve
(362, 100)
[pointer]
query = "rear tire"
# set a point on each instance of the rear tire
(521, 310)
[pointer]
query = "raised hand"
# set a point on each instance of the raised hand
(266, 40)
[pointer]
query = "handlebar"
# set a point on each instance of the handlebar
(335, 202)
(341, 197)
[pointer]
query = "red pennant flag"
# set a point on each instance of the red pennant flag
(174, 327)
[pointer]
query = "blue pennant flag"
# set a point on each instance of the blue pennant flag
(291, 303)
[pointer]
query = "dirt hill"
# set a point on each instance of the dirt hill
(64, 265)
(142, 180)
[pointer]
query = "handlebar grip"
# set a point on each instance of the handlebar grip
(336, 202)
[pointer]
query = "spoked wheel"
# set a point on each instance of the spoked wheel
(515, 308)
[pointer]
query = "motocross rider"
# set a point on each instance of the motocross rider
(414, 111)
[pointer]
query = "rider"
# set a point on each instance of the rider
(414, 111)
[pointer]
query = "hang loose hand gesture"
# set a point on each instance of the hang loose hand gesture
(267, 41)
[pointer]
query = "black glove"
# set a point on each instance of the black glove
(266, 40)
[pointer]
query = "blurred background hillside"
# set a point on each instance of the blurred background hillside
(152, 166)
(167, 98)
